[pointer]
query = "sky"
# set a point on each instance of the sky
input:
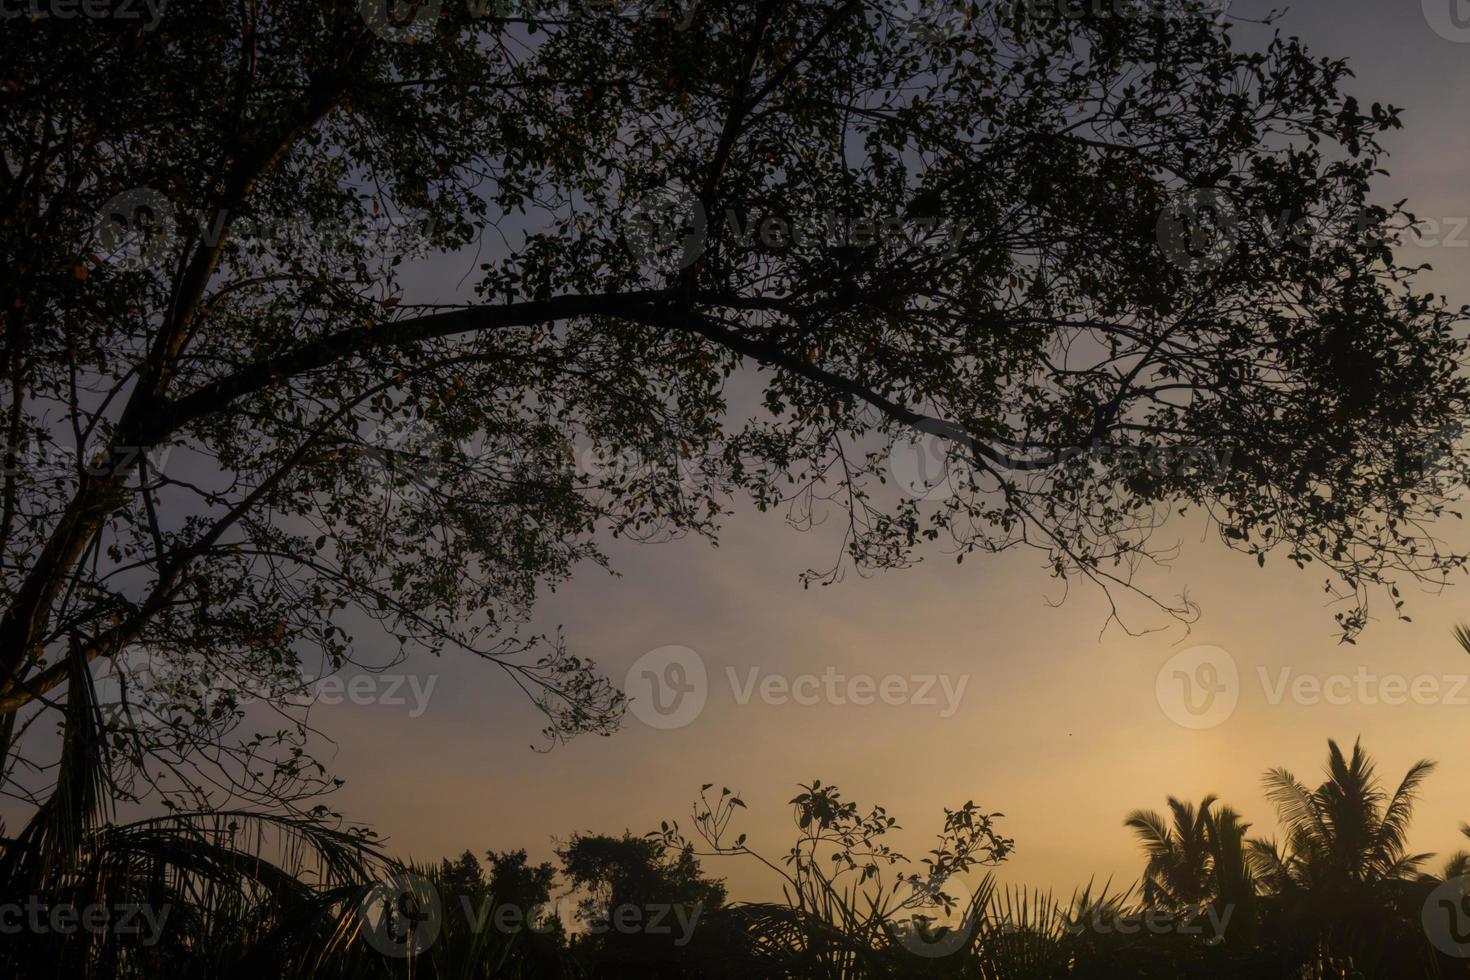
(1038, 711)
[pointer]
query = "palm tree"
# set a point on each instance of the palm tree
(1199, 863)
(1179, 855)
(225, 892)
(1346, 832)
(1458, 863)
(1232, 884)
(1343, 883)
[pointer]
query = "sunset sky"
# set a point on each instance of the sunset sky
(1059, 724)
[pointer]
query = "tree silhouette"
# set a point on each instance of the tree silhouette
(1097, 270)
(1347, 832)
(643, 905)
(1343, 878)
(1457, 865)
(1179, 865)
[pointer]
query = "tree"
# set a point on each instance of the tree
(630, 870)
(1234, 883)
(848, 907)
(1346, 832)
(1179, 866)
(643, 904)
(538, 944)
(1344, 878)
(514, 881)
(462, 876)
(769, 250)
(1198, 870)
(1457, 865)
